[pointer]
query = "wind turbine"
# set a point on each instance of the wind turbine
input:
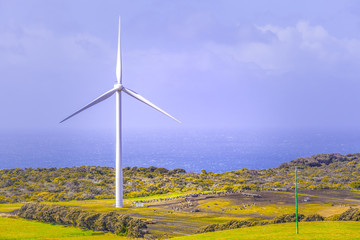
(118, 89)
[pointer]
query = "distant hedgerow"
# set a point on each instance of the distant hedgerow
(239, 224)
(107, 222)
(287, 218)
(313, 217)
(352, 214)
(233, 224)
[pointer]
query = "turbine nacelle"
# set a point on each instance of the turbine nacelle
(118, 86)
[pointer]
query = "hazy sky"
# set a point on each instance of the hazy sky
(243, 64)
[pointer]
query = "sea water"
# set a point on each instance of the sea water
(192, 150)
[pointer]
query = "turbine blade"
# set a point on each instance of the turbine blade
(118, 59)
(142, 99)
(96, 101)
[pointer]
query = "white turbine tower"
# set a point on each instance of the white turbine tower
(118, 88)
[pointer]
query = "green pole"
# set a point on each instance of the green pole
(296, 203)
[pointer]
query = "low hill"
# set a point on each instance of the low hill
(323, 171)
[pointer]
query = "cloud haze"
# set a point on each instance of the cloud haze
(234, 64)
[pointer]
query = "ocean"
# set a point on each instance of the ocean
(192, 150)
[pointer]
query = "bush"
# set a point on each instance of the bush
(313, 217)
(353, 214)
(107, 222)
(209, 228)
(333, 218)
(355, 184)
(135, 229)
(87, 220)
(233, 224)
(287, 218)
(104, 222)
(121, 225)
(71, 216)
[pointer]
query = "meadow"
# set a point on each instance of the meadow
(329, 230)
(166, 219)
(17, 228)
(176, 203)
(284, 231)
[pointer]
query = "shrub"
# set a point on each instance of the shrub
(313, 217)
(29, 210)
(121, 223)
(233, 224)
(333, 218)
(352, 214)
(209, 228)
(108, 222)
(355, 184)
(71, 216)
(136, 227)
(287, 218)
(87, 220)
(103, 222)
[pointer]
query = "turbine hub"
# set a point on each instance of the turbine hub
(118, 86)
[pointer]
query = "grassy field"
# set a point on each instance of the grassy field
(308, 231)
(24, 229)
(18, 228)
(8, 207)
(174, 223)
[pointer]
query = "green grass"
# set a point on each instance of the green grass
(8, 207)
(286, 231)
(212, 210)
(17, 228)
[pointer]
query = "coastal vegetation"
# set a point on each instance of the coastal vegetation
(177, 216)
(106, 222)
(162, 203)
(121, 224)
(330, 230)
(323, 171)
